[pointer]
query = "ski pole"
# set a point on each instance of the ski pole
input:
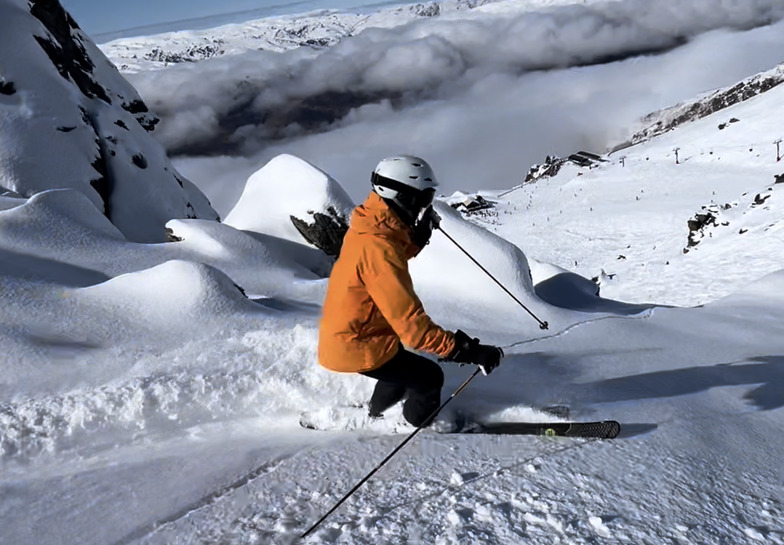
(542, 325)
(391, 454)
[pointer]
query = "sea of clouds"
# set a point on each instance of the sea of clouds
(481, 98)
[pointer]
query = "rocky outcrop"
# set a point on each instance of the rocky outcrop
(326, 231)
(660, 122)
(292, 199)
(70, 120)
(700, 224)
(193, 53)
(714, 220)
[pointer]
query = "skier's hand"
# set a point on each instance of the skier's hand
(423, 228)
(488, 357)
(468, 350)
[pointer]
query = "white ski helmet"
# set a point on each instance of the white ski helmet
(407, 181)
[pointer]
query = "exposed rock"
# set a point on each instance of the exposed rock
(707, 222)
(138, 108)
(326, 232)
(7, 87)
(548, 169)
(191, 54)
(779, 178)
(431, 9)
(76, 130)
(760, 199)
(139, 161)
(665, 120)
(698, 224)
(66, 49)
(171, 237)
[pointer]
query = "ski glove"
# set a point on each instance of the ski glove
(468, 350)
(424, 226)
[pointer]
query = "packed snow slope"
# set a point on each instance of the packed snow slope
(150, 392)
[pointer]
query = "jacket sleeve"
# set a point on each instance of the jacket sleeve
(384, 272)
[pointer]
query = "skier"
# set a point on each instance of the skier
(371, 310)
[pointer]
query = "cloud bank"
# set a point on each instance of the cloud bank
(500, 89)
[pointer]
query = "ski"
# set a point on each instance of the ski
(605, 429)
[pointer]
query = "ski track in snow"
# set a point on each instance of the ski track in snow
(164, 525)
(526, 495)
(436, 496)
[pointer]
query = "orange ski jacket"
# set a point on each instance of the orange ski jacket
(370, 306)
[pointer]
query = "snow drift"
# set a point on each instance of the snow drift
(288, 187)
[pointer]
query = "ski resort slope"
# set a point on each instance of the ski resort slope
(159, 405)
(627, 217)
(150, 393)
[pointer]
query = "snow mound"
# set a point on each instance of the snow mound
(451, 285)
(261, 264)
(173, 294)
(287, 187)
(57, 236)
(50, 215)
(8, 201)
(565, 289)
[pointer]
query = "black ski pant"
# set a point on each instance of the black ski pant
(408, 375)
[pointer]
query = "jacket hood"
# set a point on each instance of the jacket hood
(374, 217)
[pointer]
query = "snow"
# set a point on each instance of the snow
(151, 391)
(74, 122)
(287, 186)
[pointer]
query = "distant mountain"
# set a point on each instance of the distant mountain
(316, 30)
(69, 120)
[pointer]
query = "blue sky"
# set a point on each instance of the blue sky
(98, 18)
(102, 17)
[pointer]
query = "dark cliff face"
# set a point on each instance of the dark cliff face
(66, 49)
(674, 117)
(91, 122)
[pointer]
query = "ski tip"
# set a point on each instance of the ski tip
(307, 425)
(613, 429)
